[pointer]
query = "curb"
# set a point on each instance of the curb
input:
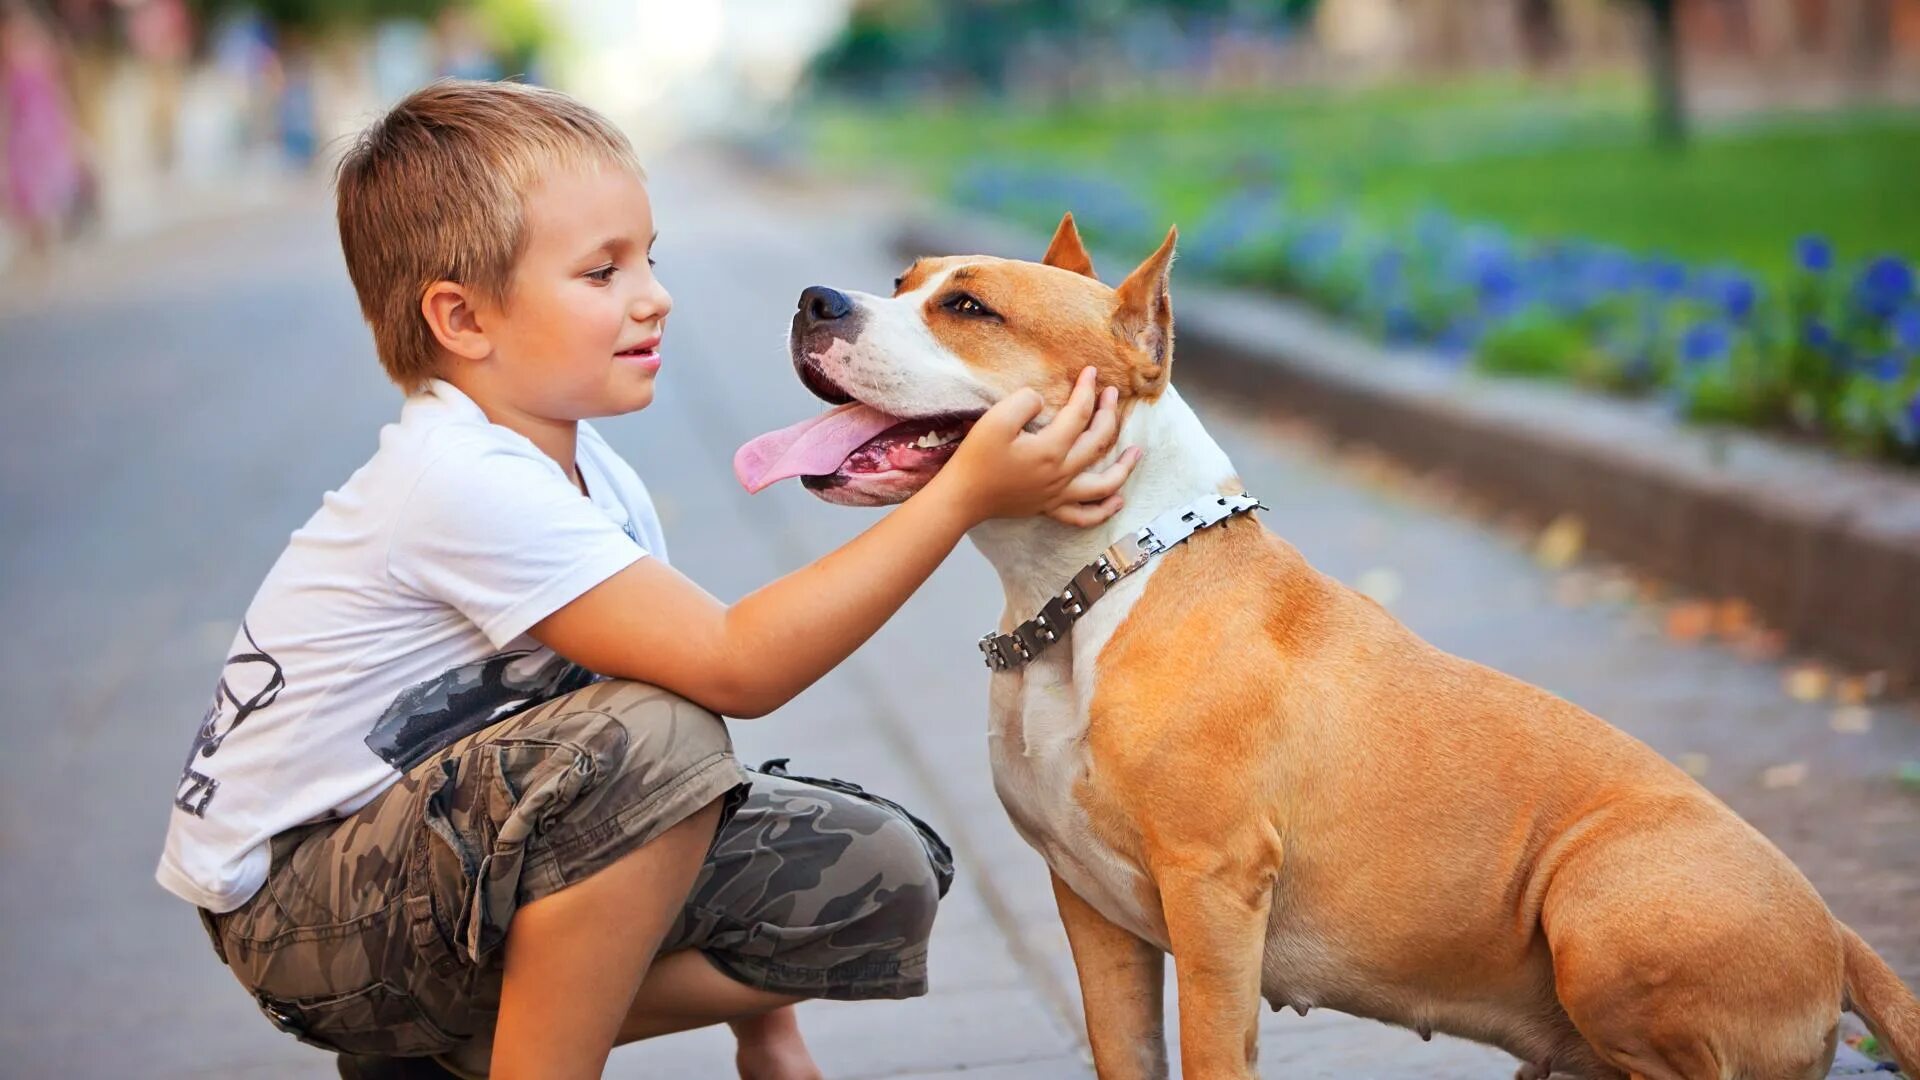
(1825, 548)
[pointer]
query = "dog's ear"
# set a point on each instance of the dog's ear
(1067, 252)
(1143, 316)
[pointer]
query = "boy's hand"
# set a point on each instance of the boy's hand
(1003, 471)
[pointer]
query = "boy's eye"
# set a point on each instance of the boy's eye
(602, 275)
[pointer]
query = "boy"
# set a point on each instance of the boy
(420, 831)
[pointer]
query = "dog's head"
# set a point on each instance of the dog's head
(911, 372)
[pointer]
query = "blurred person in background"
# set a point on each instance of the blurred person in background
(45, 175)
(160, 33)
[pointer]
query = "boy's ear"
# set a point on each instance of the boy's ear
(450, 314)
(1067, 252)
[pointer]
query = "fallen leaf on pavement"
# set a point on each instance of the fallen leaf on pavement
(1851, 690)
(1792, 774)
(1732, 619)
(1851, 719)
(1689, 622)
(1761, 645)
(1807, 682)
(1560, 542)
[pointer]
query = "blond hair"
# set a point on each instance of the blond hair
(434, 191)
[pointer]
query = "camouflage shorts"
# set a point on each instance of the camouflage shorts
(382, 932)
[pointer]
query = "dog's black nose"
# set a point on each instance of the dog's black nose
(821, 304)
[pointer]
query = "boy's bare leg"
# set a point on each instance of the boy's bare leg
(575, 959)
(683, 990)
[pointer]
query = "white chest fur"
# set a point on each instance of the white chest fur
(1038, 733)
(1037, 741)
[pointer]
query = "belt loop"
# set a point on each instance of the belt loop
(207, 919)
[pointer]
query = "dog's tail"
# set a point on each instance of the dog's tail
(1877, 995)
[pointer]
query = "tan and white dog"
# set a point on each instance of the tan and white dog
(1234, 759)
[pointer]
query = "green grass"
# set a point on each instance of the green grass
(1571, 162)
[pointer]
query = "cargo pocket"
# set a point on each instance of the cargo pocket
(939, 854)
(376, 1019)
(482, 809)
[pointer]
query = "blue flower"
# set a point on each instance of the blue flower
(1612, 270)
(1906, 329)
(1705, 342)
(1888, 367)
(1737, 295)
(1913, 416)
(1401, 324)
(1885, 286)
(1666, 276)
(1815, 254)
(1815, 333)
(1386, 268)
(1460, 339)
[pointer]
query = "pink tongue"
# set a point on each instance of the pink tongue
(814, 447)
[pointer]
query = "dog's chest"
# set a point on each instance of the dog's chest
(1038, 746)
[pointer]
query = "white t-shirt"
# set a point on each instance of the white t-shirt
(394, 624)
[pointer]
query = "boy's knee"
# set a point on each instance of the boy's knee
(908, 896)
(888, 881)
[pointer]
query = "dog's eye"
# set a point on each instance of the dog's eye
(967, 305)
(897, 282)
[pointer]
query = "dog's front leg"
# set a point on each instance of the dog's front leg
(1217, 921)
(1120, 987)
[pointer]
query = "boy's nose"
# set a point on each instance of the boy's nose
(820, 304)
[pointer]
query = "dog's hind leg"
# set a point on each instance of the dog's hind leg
(1121, 978)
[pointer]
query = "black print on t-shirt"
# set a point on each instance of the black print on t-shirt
(249, 682)
(433, 715)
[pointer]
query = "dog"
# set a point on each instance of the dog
(1233, 759)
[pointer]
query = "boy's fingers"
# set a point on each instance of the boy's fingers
(1083, 515)
(1094, 442)
(1072, 418)
(1093, 487)
(1012, 413)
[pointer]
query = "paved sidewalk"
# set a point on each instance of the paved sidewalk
(174, 415)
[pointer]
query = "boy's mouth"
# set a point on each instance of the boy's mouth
(646, 352)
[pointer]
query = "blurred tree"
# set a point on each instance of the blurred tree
(975, 42)
(1663, 70)
(1542, 38)
(519, 31)
(305, 16)
(882, 39)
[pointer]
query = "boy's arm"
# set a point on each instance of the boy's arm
(651, 624)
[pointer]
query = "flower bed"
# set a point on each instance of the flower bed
(1830, 350)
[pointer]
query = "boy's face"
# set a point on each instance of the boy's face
(580, 334)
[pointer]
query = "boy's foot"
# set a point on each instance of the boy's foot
(367, 1067)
